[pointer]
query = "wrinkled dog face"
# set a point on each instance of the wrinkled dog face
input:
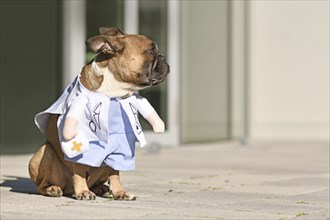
(132, 59)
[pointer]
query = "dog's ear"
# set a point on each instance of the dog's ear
(105, 44)
(110, 31)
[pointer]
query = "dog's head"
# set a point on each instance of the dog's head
(133, 60)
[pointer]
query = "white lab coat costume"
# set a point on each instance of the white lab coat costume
(90, 109)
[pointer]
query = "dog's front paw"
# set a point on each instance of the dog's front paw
(86, 195)
(122, 195)
(54, 191)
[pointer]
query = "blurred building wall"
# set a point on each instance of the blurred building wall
(289, 70)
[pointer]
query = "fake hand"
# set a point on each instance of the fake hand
(159, 127)
(157, 124)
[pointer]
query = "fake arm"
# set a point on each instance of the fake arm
(149, 113)
(71, 120)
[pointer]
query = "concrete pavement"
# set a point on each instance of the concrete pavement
(270, 180)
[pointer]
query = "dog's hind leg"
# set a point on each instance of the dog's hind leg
(52, 191)
(44, 169)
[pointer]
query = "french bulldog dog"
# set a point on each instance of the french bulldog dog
(124, 63)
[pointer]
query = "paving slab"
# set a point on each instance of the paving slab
(265, 180)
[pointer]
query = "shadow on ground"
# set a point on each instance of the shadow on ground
(19, 184)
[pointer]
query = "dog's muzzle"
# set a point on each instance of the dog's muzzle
(160, 69)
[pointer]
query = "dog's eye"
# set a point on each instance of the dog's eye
(151, 51)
